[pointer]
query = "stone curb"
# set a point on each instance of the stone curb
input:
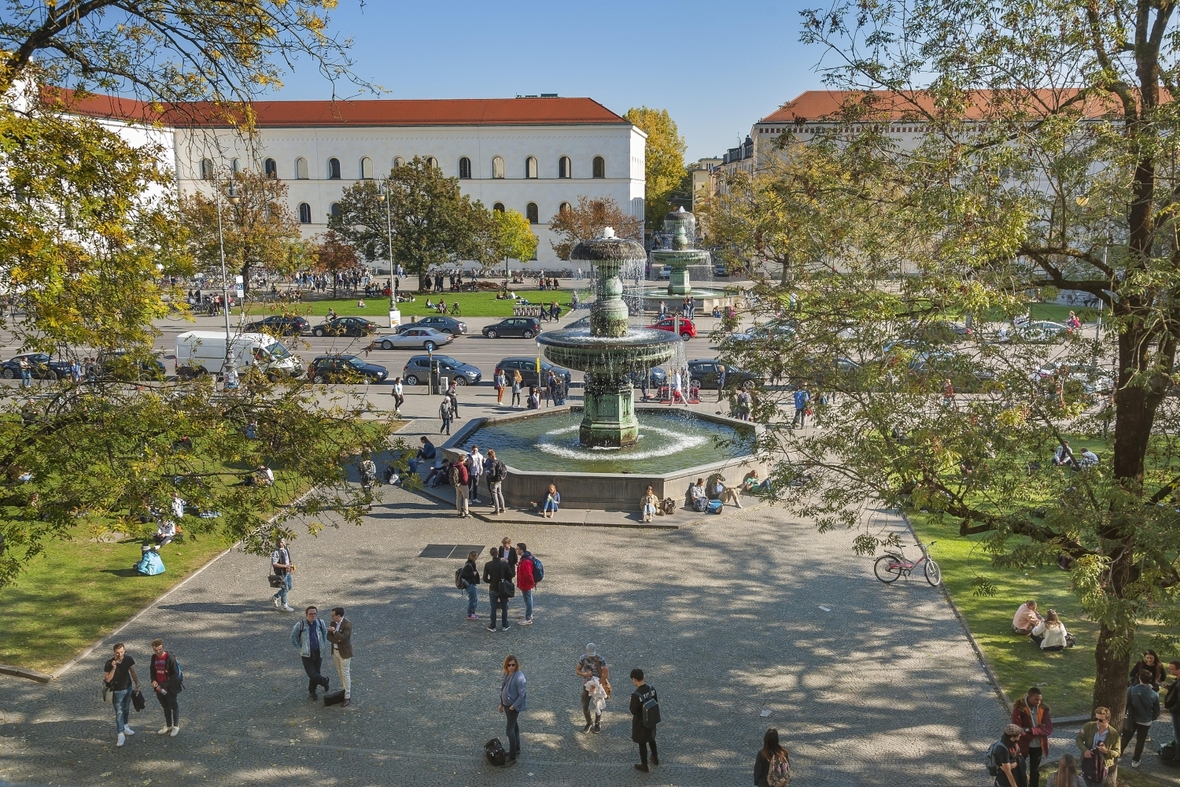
(22, 672)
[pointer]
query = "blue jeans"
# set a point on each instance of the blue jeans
(122, 708)
(550, 506)
(512, 730)
(527, 595)
(281, 595)
(26, 378)
(472, 598)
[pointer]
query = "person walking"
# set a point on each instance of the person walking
(166, 681)
(772, 766)
(453, 395)
(1031, 714)
(1143, 707)
(445, 415)
(1009, 764)
(497, 472)
(948, 394)
(517, 381)
(499, 382)
(469, 576)
(640, 733)
(512, 704)
(368, 476)
(1100, 747)
(526, 580)
(802, 398)
(592, 666)
(118, 675)
(475, 463)
(459, 476)
(720, 383)
(281, 565)
(340, 635)
(309, 635)
(1172, 701)
(398, 396)
(495, 572)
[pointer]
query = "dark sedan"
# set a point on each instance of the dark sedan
(440, 323)
(344, 369)
(704, 373)
(124, 367)
(527, 366)
(279, 325)
(520, 327)
(41, 366)
(345, 326)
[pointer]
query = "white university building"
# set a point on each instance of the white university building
(530, 154)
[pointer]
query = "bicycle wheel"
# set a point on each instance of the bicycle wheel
(887, 568)
(933, 573)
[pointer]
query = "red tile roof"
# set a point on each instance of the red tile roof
(816, 105)
(397, 112)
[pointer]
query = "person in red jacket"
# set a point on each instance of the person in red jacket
(526, 581)
(1031, 715)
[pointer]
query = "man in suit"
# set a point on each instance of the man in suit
(496, 571)
(340, 635)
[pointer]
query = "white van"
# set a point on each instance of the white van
(203, 352)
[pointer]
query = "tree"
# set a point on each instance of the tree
(514, 238)
(257, 225)
(1047, 159)
(332, 256)
(587, 221)
(433, 223)
(664, 163)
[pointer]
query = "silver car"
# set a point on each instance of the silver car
(413, 339)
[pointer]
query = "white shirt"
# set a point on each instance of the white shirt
(178, 507)
(476, 468)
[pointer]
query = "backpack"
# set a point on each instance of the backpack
(494, 751)
(993, 769)
(668, 506)
(779, 774)
(459, 577)
(1168, 755)
(538, 569)
(651, 709)
(499, 472)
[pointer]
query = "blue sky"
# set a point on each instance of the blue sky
(716, 67)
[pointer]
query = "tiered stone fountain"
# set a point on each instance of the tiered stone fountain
(682, 226)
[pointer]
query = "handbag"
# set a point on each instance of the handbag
(137, 700)
(507, 589)
(276, 580)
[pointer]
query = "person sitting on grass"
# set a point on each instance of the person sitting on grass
(1026, 618)
(1050, 633)
(165, 533)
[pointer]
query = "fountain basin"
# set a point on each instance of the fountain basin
(674, 448)
(638, 350)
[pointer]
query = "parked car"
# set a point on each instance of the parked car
(124, 367)
(964, 372)
(279, 325)
(720, 271)
(704, 372)
(1037, 332)
(345, 326)
(1088, 378)
(686, 328)
(527, 366)
(656, 378)
(338, 368)
(521, 327)
(41, 366)
(439, 323)
(771, 331)
(417, 370)
(413, 339)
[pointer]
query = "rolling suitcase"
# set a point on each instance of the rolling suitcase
(335, 698)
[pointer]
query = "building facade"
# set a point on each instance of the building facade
(535, 155)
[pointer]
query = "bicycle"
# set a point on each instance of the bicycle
(892, 565)
(455, 311)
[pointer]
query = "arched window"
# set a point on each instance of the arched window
(464, 168)
(301, 168)
(366, 168)
(333, 169)
(497, 167)
(530, 167)
(398, 161)
(271, 168)
(334, 209)
(432, 161)
(532, 214)
(565, 206)
(236, 165)
(206, 169)
(599, 167)
(498, 207)
(304, 213)
(565, 168)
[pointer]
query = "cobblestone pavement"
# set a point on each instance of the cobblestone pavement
(751, 612)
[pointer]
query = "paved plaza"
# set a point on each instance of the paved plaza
(746, 613)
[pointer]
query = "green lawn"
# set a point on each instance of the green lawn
(472, 304)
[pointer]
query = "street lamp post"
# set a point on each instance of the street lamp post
(395, 314)
(229, 372)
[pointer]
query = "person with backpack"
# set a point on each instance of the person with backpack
(446, 415)
(118, 675)
(497, 572)
(168, 681)
(1100, 747)
(1032, 716)
(281, 565)
(1143, 707)
(772, 766)
(310, 635)
(497, 472)
(645, 704)
(469, 581)
(459, 476)
(527, 577)
(1004, 762)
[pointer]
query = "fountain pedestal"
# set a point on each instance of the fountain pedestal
(608, 418)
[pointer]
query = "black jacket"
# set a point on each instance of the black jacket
(172, 682)
(510, 555)
(639, 733)
(496, 570)
(470, 573)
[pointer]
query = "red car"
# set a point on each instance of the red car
(684, 327)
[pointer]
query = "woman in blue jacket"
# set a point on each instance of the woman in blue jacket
(512, 702)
